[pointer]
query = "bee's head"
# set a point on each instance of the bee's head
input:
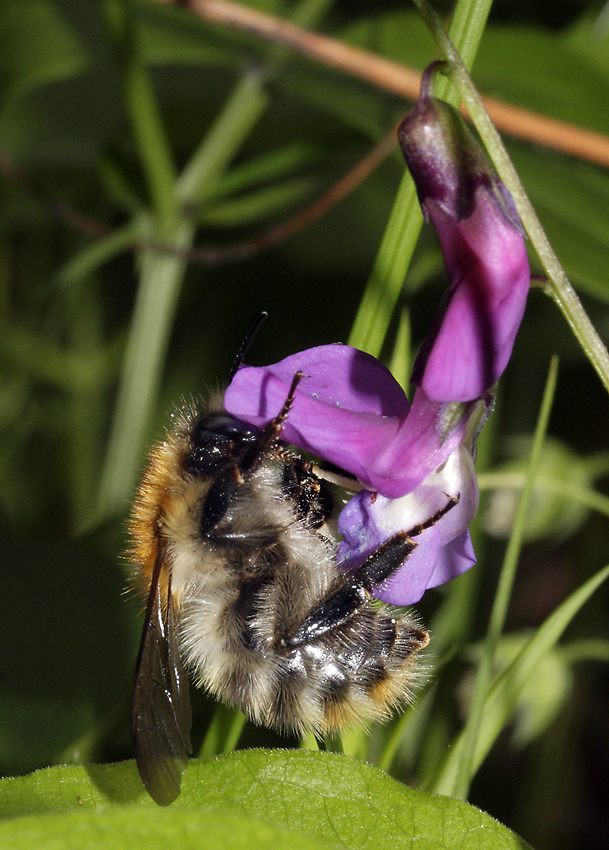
(218, 440)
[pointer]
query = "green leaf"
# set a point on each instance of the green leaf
(157, 830)
(296, 798)
(270, 166)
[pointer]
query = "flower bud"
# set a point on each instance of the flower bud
(482, 243)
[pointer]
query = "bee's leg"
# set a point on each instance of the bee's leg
(355, 591)
(378, 566)
(271, 432)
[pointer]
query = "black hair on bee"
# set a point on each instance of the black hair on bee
(230, 540)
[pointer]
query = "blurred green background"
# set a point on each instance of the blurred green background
(102, 105)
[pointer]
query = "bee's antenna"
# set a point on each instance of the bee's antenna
(246, 343)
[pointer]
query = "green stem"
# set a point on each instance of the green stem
(465, 769)
(159, 287)
(223, 732)
(568, 489)
(466, 28)
(558, 285)
(202, 174)
(152, 143)
(142, 107)
(160, 283)
(387, 276)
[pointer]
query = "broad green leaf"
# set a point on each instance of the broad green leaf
(157, 830)
(320, 797)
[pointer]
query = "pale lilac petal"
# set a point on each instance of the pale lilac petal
(369, 519)
(454, 559)
(409, 583)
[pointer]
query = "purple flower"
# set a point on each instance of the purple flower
(483, 246)
(350, 411)
(412, 459)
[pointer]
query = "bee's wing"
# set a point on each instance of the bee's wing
(160, 711)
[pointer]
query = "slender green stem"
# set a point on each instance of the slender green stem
(567, 489)
(387, 277)
(160, 282)
(400, 365)
(161, 276)
(466, 28)
(465, 768)
(308, 741)
(234, 732)
(333, 743)
(152, 142)
(159, 287)
(223, 732)
(559, 286)
(587, 649)
(244, 107)
(142, 107)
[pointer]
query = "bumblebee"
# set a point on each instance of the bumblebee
(230, 539)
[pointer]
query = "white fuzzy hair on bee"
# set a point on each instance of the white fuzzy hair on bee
(231, 543)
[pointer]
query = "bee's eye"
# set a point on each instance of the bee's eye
(217, 441)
